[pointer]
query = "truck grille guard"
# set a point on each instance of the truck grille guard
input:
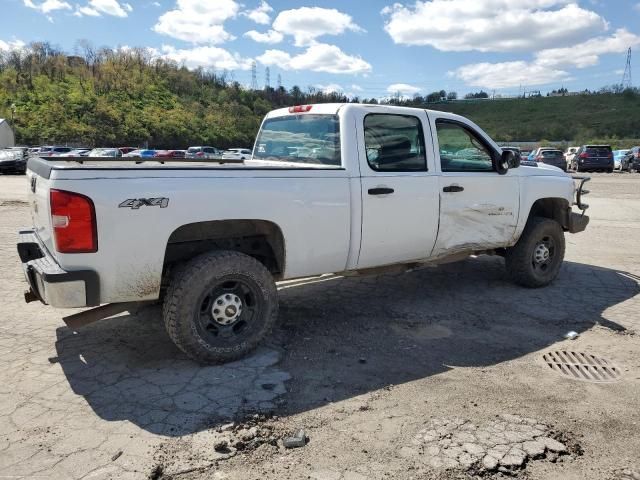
(580, 191)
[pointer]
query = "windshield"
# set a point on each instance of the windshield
(306, 139)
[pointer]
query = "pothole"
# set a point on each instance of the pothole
(504, 444)
(582, 366)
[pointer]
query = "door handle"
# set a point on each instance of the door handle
(380, 191)
(453, 189)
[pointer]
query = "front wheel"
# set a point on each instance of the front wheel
(537, 257)
(219, 306)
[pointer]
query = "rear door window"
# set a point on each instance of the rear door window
(394, 143)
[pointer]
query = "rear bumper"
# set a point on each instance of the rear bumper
(13, 165)
(49, 283)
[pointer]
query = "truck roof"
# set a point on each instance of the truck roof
(334, 108)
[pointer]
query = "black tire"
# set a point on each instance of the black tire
(525, 262)
(210, 280)
(610, 170)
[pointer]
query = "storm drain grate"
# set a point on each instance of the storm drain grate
(582, 366)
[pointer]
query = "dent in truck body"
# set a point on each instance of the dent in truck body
(452, 241)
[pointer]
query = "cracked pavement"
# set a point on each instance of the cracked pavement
(379, 371)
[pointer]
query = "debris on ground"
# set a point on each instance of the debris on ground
(571, 335)
(116, 455)
(296, 441)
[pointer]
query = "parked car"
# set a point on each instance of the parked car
(203, 153)
(77, 152)
(170, 154)
(631, 161)
(126, 150)
(552, 157)
(12, 161)
(591, 158)
(141, 153)
(52, 151)
(618, 155)
(237, 154)
(211, 242)
(535, 152)
(105, 153)
(569, 155)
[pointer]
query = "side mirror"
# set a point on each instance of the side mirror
(504, 161)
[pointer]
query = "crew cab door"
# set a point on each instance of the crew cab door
(478, 206)
(399, 187)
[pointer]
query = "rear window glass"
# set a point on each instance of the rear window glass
(193, 149)
(599, 151)
(302, 139)
(551, 153)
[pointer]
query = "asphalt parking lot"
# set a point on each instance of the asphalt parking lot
(439, 373)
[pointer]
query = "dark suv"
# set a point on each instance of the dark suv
(591, 158)
(631, 161)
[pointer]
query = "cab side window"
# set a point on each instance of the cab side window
(461, 150)
(394, 143)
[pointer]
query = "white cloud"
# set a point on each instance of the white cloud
(156, 4)
(48, 6)
(268, 37)
(97, 8)
(319, 57)
(206, 57)
(491, 25)
(331, 88)
(306, 24)
(548, 66)
(508, 74)
(11, 45)
(356, 88)
(260, 14)
(196, 21)
(403, 88)
(588, 53)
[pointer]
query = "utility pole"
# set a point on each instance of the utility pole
(267, 78)
(626, 76)
(279, 81)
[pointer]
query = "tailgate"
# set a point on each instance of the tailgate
(39, 208)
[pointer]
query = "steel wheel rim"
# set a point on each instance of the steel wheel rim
(543, 254)
(229, 324)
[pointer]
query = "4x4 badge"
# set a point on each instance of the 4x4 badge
(136, 203)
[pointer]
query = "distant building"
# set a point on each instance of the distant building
(6, 135)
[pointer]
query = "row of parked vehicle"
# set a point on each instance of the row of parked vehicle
(585, 158)
(200, 152)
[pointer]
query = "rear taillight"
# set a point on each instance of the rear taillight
(199, 154)
(584, 155)
(538, 158)
(73, 218)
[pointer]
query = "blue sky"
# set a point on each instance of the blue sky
(365, 48)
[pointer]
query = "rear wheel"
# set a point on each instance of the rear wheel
(537, 257)
(219, 306)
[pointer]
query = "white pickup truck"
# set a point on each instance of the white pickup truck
(330, 188)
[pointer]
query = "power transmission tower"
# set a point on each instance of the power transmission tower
(279, 81)
(626, 77)
(254, 77)
(267, 78)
